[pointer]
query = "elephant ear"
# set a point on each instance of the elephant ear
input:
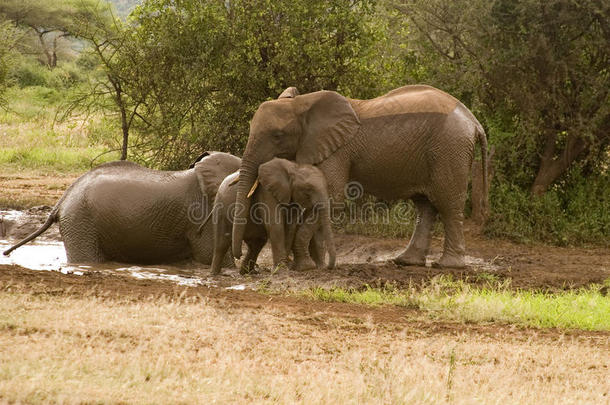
(274, 178)
(290, 92)
(328, 122)
(213, 169)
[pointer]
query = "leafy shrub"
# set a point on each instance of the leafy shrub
(574, 213)
(30, 74)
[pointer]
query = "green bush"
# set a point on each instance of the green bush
(573, 213)
(30, 73)
(65, 76)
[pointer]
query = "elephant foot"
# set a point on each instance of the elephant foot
(305, 264)
(284, 264)
(244, 272)
(451, 261)
(408, 258)
(249, 268)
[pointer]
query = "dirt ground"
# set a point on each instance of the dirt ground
(24, 189)
(115, 339)
(314, 313)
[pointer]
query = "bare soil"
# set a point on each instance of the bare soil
(28, 189)
(310, 312)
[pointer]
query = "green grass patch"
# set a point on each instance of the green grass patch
(585, 308)
(57, 158)
(30, 138)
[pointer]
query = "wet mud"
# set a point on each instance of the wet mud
(362, 261)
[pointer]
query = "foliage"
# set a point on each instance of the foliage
(209, 64)
(573, 212)
(124, 7)
(7, 41)
(45, 24)
(537, 70)
(29, 72)
(111, 86)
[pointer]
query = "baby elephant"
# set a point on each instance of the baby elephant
(291, 208)
(124, 212)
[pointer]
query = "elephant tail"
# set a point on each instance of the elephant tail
(50, 219)
(483, 142)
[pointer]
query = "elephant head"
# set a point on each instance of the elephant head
(305, 128)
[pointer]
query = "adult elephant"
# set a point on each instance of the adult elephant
(415, 142)
(121, 211)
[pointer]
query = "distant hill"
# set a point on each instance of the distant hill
(124, 7)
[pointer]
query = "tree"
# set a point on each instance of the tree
(538, 69)
(208, 64)
(112, 86)
(49, 21)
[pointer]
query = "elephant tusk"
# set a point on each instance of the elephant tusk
(253, 189)
(234, 181)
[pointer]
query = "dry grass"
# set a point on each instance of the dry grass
(162, 350)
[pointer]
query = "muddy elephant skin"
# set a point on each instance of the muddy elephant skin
(124, 212)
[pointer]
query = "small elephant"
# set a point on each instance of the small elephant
(290, 207)
(303, 186)
(124, 212)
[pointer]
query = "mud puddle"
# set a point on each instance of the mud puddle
(51, 256)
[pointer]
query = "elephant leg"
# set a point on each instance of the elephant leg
(277, 238)
(317, 249)
(88, 252)
(291, 231)
(222, 241)
(415, 254)
(81, 242)
(302, 259)
(248, 265)
(454, 249)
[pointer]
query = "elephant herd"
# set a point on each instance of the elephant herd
(415, 142)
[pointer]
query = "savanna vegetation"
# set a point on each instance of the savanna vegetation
(118, 340)
(159, 81)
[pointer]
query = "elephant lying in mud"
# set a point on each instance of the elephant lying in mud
(415, 142)
(124, 212)
(290, 207)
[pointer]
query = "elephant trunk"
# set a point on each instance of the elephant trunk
(328, 237)
(247, 177)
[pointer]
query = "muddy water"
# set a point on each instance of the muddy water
(51, 256)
